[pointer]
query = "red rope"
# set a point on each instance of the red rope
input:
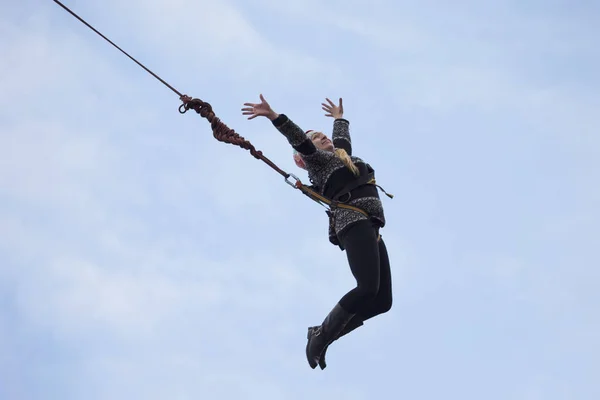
(222, 132)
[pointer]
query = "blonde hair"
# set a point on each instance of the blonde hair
(343, 155)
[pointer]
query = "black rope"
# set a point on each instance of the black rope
(109, 41)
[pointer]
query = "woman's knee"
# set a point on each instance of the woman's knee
(382, 304)
(386, 304)
(368, 293)
(378, 306)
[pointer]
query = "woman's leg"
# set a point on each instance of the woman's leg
(362, 249)
(382, 302)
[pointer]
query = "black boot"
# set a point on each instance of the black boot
(354, 323)
(322, 336)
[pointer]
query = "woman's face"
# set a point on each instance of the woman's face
(322, 142)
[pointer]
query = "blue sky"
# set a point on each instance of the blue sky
(142, 259)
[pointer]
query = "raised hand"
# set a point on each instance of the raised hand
(333, 110)
(262, 109)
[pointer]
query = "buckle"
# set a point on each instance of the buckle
(349, 194)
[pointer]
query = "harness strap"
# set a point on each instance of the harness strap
(308, 191)
(373, 182)
(335, 203)
(362, 180)
(368, 179)
(322, 199)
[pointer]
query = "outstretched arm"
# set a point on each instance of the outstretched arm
(341, 132)
(294, 134)
(341, 135)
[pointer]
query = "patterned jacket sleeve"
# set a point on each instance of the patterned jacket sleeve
(341, 135)
(295, 135)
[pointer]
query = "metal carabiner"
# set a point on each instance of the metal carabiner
(290, 183)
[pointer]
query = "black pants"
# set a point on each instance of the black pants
(370, 265)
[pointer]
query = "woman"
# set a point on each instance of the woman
(336, 174)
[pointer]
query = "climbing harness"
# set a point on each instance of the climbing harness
(224, 134)
(343, 196)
